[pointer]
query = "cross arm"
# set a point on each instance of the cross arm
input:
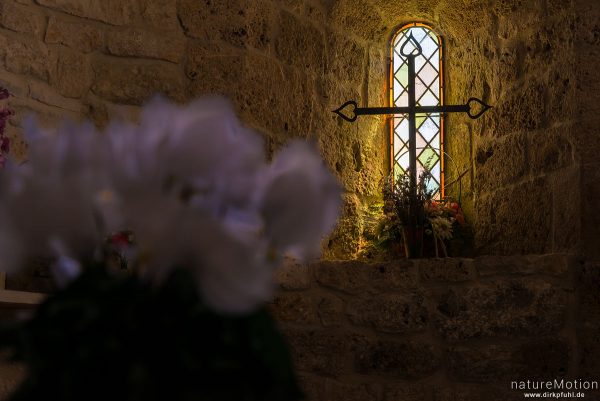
(468, 108)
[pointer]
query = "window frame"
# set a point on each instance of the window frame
(442, 98)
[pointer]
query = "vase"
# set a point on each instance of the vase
(413, 241)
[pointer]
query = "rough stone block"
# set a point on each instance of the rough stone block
(44, 93)
(243, 23)
(588, 284)
(294, 308)
(466, 392)
(21, 19)
(356, 276)
(318, 351)
(96, 111)
(501, 162)
(204, 66)
(296, 6)
(77, 35)
(406, 391)
(3, 47)
(11, 376)
(551, 264)
(16, 84)
(589, 349)
(73, 76)
(487, 364)
(346, 59)
(325, 389)
(263, 80)
(47, 116)
(512, 7)
(545, 44)
(399, 360)
(114, 12)
(141, 43)
(501, 363)
(161, 14)
(587, 85)
(515, 220)
(563, 100)
(346, 276)
(377, 78)
(359, 18)
(446, 270)
(590, 177)
(558, 264)
(293, 275)
(507, 64)
(30, 58)
(417, 9)
(521, 109)
(400, 274)
(332, 91)
(204, 58)
(586, 136)
(352, 149)
(300, 44)
(390, 313)
(331, 310)
(567, 193)
(550, 150)
(134, 83)
(505, 308)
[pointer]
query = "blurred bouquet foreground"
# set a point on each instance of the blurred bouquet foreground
(184, 318)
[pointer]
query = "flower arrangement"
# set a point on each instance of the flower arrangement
(444, 219)
(408, 222)
(165, 236)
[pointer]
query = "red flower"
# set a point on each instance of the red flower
(460, 218)
(120, 239)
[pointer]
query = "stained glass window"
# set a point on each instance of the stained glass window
(429, 92)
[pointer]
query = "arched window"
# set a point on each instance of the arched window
(429, 92)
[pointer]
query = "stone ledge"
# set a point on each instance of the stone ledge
(446, 270)
(551, 264)
(355, 277)
(293, 275)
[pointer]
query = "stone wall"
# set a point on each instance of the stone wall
(439, 329)
(586, 128)
(286, 64)
(282, 63)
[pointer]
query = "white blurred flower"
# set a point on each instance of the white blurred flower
(190, 182)
(301, 201)
(51, 196)
(65, 269)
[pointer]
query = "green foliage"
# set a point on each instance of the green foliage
(399, 200)
(110, 337)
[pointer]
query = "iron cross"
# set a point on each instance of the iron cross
(412, 109)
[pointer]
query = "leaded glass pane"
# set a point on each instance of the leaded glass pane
(427, 89)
